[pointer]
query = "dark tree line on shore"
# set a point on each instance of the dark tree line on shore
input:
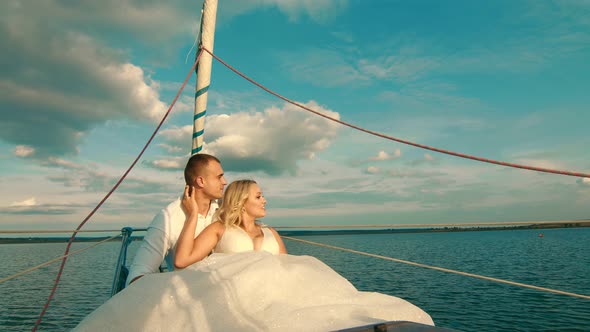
(573, 224)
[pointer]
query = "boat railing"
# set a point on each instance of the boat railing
(122, 270)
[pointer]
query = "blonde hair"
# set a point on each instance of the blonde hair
(234, 198)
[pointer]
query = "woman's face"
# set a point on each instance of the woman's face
(255, 204)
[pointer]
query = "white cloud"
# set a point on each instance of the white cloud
(150, 21)
(93, 179)
(415, 173)
(536, 162)
(170, 148)
(60, 94)
(427, 159)
(168, 164)
(59, 162)
(178, 135)
(382, 155)
(271, 141)
(373, 170)
(23, 151)
(27, 202)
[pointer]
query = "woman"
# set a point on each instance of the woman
(245, 285)
(236, 229)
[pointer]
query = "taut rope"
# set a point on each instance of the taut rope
(587, 297)
(55, 259)
(399, 140)
(65, 257)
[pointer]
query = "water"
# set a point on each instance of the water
(560, 259)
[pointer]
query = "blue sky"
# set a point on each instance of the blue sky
(84, 83)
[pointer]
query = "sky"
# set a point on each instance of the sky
(83, 85)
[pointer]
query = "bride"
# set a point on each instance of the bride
(236, 229)
(248, 283)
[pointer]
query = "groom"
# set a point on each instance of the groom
(204, 173)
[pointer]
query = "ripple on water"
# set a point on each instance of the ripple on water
(561, 259)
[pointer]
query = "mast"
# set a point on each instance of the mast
(203, 73)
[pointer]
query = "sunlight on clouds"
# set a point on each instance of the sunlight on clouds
(23, 151)
(170, 148)
(58, 162)
(382, 155)
(27, 202)
(173, 164)
(373, 170)
(356, 208)
(140, 98)
(77, 82)
(542, 163)
(177, 135)
(272, 141)
(73, 71)
(149, 21)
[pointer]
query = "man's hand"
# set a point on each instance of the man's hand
(189, 201)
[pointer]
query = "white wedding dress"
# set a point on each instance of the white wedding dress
(238, 289)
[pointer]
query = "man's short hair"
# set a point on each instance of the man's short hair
(196, 165)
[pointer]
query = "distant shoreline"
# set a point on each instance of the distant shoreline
(573, 224)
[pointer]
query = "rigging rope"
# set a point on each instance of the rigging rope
(70, 241)
(587, 297)
(399, 140)
(65, 231)
(111, 192)
(23, 272)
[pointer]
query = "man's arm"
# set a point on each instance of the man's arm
(150, 254)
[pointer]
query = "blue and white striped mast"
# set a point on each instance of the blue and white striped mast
(203, 73)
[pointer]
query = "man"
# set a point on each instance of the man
(204, 173)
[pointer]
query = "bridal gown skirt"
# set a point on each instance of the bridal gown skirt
(249, 291)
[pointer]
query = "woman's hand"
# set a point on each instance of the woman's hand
(189, 201)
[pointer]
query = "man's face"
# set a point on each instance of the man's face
(213, 180)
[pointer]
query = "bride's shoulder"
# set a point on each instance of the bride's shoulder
(263, 225)
(217, 227)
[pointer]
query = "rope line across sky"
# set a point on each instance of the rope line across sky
(399, 140)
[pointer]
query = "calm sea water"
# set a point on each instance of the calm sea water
(560, 259)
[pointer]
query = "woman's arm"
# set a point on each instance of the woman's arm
(189, 249)
(282, 248)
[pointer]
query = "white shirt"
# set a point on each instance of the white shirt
(160, 241)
